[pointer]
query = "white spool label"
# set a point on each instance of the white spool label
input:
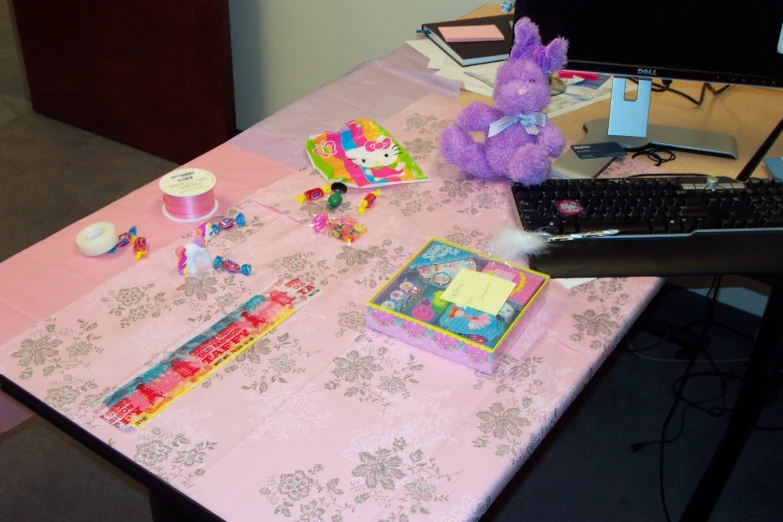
(187, 182)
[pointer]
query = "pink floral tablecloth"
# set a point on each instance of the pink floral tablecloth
(324, 419)
(53, 273)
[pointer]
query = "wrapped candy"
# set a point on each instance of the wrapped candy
(336, 199)
(368, 201)
(224, 223)
(313, 194)
(139, 247)
(229, 266)
(346, 229)
(131, 238)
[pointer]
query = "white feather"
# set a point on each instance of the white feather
(512, 242)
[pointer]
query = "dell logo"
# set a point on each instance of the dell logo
(646, 72)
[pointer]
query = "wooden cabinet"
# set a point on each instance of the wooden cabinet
(155, 75)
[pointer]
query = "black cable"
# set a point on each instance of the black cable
(665, 175)
(735, 331)
(662, 440)
(655, 153)
(711, 297)
(719, 91)
(666, 87)
(662, 340)
(758, 156)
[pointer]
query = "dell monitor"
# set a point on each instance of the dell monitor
(741, 43)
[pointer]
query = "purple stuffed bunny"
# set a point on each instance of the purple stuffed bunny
(519, 137)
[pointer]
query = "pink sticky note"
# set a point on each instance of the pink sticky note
(471, 33)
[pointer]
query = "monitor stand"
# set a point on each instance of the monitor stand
(627, 125)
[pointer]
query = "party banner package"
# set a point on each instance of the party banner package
(148, 394)
(458, 303)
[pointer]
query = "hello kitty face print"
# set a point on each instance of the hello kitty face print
(376, 154)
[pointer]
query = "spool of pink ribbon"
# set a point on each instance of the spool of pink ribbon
(188, 195)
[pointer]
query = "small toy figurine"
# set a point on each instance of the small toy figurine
(423, 311)
(346, 228)
(368, 201)
(519, 138)
(195, 252)
(313, 194)
(408, 287)
(229, 266)
(439, 305)
(224, 223)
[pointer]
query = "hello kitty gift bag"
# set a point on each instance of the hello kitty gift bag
(362, 154)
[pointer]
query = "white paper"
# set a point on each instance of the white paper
(583, 94)
(469, 83)
(481, 80)
(573, 282)
(428, 48)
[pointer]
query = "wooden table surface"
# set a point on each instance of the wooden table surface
(748, 113)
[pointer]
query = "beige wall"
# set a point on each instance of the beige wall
(284, 49)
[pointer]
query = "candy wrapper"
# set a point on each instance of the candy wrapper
(362, 154)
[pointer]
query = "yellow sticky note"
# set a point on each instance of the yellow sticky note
(483, 292)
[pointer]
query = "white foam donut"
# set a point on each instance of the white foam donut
(97, 239)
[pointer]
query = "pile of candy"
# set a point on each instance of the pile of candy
(346, 229)
(229, 266)
(224, 223)
(130, 237)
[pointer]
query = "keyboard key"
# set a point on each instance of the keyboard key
(709, 224)
(688, 224)
(689, 214)
(633, 227)
(594, 226)
(774, 223)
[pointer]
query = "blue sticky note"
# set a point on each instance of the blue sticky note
(775, 166)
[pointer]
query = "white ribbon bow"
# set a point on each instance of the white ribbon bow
(530, 121)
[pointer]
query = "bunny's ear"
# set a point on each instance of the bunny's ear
(526, 39)
(552, 57)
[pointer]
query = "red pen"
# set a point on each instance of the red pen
(570, 74)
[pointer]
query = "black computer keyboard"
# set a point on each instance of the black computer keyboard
(686, 224)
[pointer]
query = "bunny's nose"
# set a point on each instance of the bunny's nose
(522, 90)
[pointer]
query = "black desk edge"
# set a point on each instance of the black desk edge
(160, 490)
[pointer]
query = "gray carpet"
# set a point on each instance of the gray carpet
(583, 471)
(53, 174)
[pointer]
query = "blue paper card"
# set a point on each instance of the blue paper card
(438, 253)
(775, 166)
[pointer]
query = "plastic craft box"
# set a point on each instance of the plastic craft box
(409, 306)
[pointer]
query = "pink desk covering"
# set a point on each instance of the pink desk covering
(52, 274)
(325, 419)
(375, 90)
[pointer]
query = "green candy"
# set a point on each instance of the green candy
(334, 200)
